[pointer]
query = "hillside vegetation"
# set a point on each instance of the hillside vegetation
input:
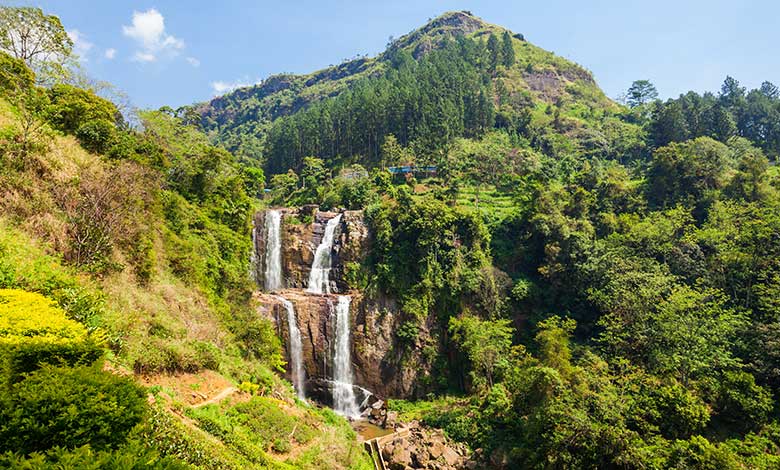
(124, 257)
(592, 285)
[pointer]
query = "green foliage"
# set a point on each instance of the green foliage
(73, 107)
(423, 104)
(640, 93)
(70, 408)
(486, 343)
(38, 39)
(15, 76)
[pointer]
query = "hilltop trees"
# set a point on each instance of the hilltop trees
(507, 50)
(641, 92)
(753, 114)
(424, 104)
(38, 39)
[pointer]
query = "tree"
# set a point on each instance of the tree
(731, 93)
(493, 51)
(485, 342)
(507, 50)
(685, 171)
(17, 86)
(641, 92)
(38, 39)
(668, 124)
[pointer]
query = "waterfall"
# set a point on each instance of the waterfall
(344, 401)
(319, 278)
(296, 350)
(273, 250)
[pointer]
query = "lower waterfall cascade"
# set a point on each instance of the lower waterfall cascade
(296, 350)
(344, 400)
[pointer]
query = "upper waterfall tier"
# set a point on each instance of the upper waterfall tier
(300, 233)
(319, 277)
(273, 250)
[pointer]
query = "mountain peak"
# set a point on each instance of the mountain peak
(444, 26)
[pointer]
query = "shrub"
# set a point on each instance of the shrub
(33, 331)
(14, 74)
(131, 457)
(741, 402)
(69, 407)
(97, 136)
(71, 107)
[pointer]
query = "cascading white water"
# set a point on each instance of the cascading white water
(273, 250)
(344, 401)
(296, 350)
(319, 278)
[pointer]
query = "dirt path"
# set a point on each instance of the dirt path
(217, 398)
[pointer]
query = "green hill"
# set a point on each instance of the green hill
(528, 86)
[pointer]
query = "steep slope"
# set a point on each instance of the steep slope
(240, 120)
(143, 242)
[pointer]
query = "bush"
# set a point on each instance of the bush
(69, 407)
(131, 457)
(72, 107)
(33, 331)
(97, 136)
(741, 402)
(14, 74)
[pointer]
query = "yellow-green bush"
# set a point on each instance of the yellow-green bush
(34, 331)
(28, 315)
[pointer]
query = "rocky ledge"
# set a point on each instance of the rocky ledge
(420, 447)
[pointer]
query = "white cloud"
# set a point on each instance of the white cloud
(220, 87)
(193, 61)
(110, 53)
(144, 57)
(148, 30)
(81, 46)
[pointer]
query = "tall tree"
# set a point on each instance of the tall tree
(36, 38)
(507, 50)
(493, 51)
(641, 92)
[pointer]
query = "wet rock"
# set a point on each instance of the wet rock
(378, 361)
(429, 449)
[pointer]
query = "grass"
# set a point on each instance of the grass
(420, 409)
(281, 434)
(489, 202)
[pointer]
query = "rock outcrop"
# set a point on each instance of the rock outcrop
(419, 447)
(375, 354)
(380, 363)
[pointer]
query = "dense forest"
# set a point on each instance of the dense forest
(597, 282)
(608, 274)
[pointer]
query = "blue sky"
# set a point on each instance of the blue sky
(168, 52)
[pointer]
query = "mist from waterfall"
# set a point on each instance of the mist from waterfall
(273, 250)
(319, 278)
(344, 401)
(296, 350)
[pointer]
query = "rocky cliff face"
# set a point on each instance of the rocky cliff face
(302, 231)
(380, 364)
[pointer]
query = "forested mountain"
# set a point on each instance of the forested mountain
(456, 76)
